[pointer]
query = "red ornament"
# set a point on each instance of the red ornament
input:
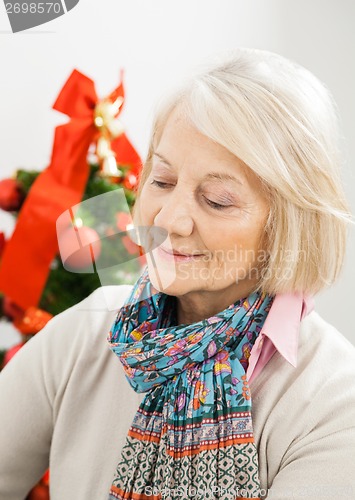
(45, 478)
(11, 353)
(134, 249)
(32, 321)
(130, 246)
(123, 219)
(11, 195)
(79, 247)
(130, 181)
(39, 492)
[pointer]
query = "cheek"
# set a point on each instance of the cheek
(249, 230)
(233, 233)
(235, 241)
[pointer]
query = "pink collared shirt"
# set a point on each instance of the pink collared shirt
(280, 331)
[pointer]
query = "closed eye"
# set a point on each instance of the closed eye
(213, 204)
(162, 185)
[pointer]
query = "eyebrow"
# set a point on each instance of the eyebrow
(220, 176)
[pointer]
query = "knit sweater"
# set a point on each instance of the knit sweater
(65, 404)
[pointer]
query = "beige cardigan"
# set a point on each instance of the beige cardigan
(65, 402)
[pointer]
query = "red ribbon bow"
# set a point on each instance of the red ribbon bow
(33, 245)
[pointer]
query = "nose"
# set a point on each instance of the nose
(175, 214)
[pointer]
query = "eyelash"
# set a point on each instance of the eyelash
(216, 206)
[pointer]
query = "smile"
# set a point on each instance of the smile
(174, 255)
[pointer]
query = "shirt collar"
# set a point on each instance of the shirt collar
(282, 324)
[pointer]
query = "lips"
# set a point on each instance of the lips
(180, 254)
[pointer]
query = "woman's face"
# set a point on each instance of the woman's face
(211, 209)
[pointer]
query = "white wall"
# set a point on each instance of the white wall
(155, 41)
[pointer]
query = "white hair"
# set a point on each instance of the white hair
(281, 121)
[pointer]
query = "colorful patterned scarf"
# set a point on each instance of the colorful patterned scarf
(192, 435)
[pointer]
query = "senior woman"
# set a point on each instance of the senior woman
(237, 387)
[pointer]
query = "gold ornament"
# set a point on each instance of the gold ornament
(110, 127)
(109, 167)
(103, 147)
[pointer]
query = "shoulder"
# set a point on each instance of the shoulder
(304, 416)
(321, 386)
(89, 316)
(324, 356)
(323, 346)
(78, 331)
(325, 362)
(320, 389)
(71, 343)
(326, 366)
(103, 301)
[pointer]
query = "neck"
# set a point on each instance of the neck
(198, 305)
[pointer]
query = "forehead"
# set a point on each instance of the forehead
(181, 146)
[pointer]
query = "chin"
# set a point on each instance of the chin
(162, 277)
(167, 283)
(166, 280)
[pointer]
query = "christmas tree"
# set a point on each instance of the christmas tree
(92, 176)
(66, 287)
